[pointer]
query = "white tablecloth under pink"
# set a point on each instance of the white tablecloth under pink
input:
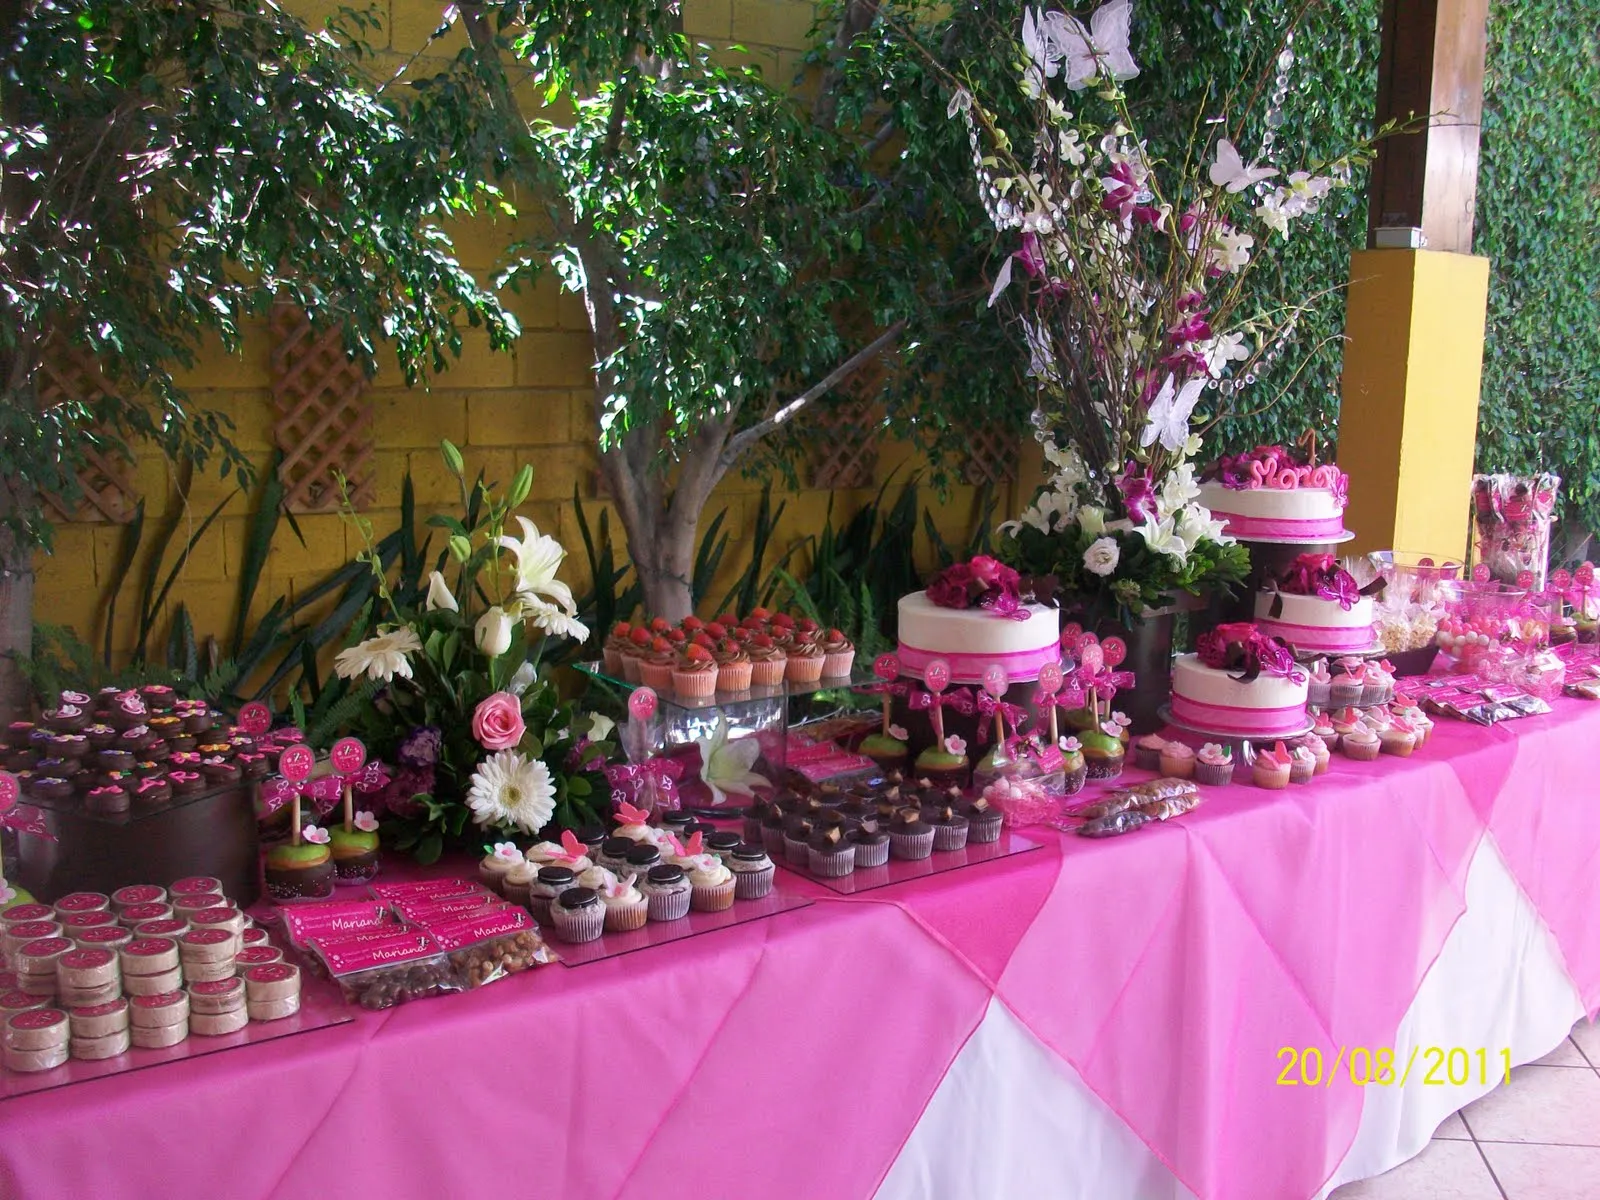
(792, 1057)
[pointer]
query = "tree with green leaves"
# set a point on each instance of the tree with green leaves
(167, 173)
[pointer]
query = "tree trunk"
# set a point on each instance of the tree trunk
(16, 631)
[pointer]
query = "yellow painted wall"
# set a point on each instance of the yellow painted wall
(530, 405)
(1408, 413)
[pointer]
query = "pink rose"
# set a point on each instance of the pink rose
(497, 721)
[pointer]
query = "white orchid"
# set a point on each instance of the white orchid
(539, 557)
(439, 595)
(1169, 413)
(1177, 489)
(380, 658)
(725, 764)
(1229, 250)
(1162, 537)
(1220, 351)
(1041, 355)
(492, 633)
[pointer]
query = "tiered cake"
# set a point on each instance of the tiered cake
(1241, 683)
(1316, 607)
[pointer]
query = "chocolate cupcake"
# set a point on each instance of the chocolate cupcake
(613, 854)
(67, 745)
(549, 883)
(641, 858)
(128, 710)
(721, 842)
(949, 829)
(667, 892)
(114, 760)
(107, 799)
(49, 787)
(153, 790)
(187, 783)
(101, 736)
(983, 821)
(18, 734)
(910, 837)
(69, 718)
(871, 845)
(139, 738)
(21, 760)
(214, 749)
(591, 836)
(251, 765)
(797, 833)
(220, 770)
(831, 855)
(752, 870)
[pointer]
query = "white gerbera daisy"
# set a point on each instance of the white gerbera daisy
(382, 657)
(554, 621)
(509, 789)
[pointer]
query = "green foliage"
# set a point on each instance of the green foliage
(1538, 220)
(172, 171)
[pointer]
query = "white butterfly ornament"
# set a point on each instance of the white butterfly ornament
(1087, 52)
(1230, 172)
(1169, 413)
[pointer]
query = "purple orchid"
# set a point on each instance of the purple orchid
(1138, 493)
(1031, 256)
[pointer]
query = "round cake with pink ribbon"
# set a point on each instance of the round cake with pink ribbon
(975, 615)
(1240, 683)
(1317, 607)
(1269, 495)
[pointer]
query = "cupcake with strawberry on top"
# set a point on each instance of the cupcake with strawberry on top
(615, 647)
(768, 660)
(694, 675)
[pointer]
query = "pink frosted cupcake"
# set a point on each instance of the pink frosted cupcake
(806, 660)
(657, 664)
(1325, 731)
(1177, 761)
(769, 662)
(1320, 693)
(734, 667)
(838, 655)
(616, 645)
(1397, 738)
(1272, 768)
(1319, 752)
(1302, 764)
(1147, 752)
(1347, 688)
(1214, 765)
(694, 677)
(1360, 744)
(1377, 684)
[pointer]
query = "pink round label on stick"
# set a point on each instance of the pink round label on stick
(1584, 574)
(295, 763)
(1561, 579)
(1524, 579)
(936, 675)
(886, 667)
(1091, 656)
(642, 703)
(995, 680)
(1480, 573)
(348, 755)
(1114, 650)
(1051, 678)
(255, 717)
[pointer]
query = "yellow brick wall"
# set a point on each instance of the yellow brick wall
(529, 405)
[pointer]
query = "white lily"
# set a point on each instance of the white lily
(539, 557)
(725, 765)
(492, 634)
(1162, 537)
(439, 595)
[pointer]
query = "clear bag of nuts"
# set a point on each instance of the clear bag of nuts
(484, 949)
(383, 970)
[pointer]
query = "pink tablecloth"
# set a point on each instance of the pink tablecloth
(792, 1057)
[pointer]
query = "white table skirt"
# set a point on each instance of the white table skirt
(1011, 1119)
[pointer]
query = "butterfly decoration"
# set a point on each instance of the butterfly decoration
(1061, 44)
(1170, 411)
(1230, 172)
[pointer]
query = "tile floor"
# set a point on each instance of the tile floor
(1536, 1138)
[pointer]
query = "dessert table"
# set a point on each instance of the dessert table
(1095, 1019)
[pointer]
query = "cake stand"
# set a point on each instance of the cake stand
(1233, 740)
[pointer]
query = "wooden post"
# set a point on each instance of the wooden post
(1431, 63)
(1408, 413)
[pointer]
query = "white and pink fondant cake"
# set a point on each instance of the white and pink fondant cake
(1267, 496)
(1242, 684)
(1313, 625)
(1317, 607)
(973, 615)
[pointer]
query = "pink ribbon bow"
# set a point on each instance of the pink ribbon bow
(629, 780)
(373, 777)
(323, 793)
(25, 818)
(1012, 714)
(1104, 683)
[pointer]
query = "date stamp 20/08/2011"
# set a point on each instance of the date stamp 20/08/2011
(1432, 1066)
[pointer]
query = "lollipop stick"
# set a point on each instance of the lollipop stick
(999, 731)
(349, 808)
(294, 831)
(936, 715)
(1055, 730)
(886, 714)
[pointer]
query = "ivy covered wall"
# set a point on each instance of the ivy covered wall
(1538, 215)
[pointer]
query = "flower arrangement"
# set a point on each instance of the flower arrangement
(1321, 575)
(476, 729)
(1122, 275)
(987, 583)
(1241, 646)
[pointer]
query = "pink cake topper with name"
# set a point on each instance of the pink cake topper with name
(296, 762)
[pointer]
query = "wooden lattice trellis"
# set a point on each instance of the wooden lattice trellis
(991, 456)
(70, 375)
(324, 421)
(845, 446)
